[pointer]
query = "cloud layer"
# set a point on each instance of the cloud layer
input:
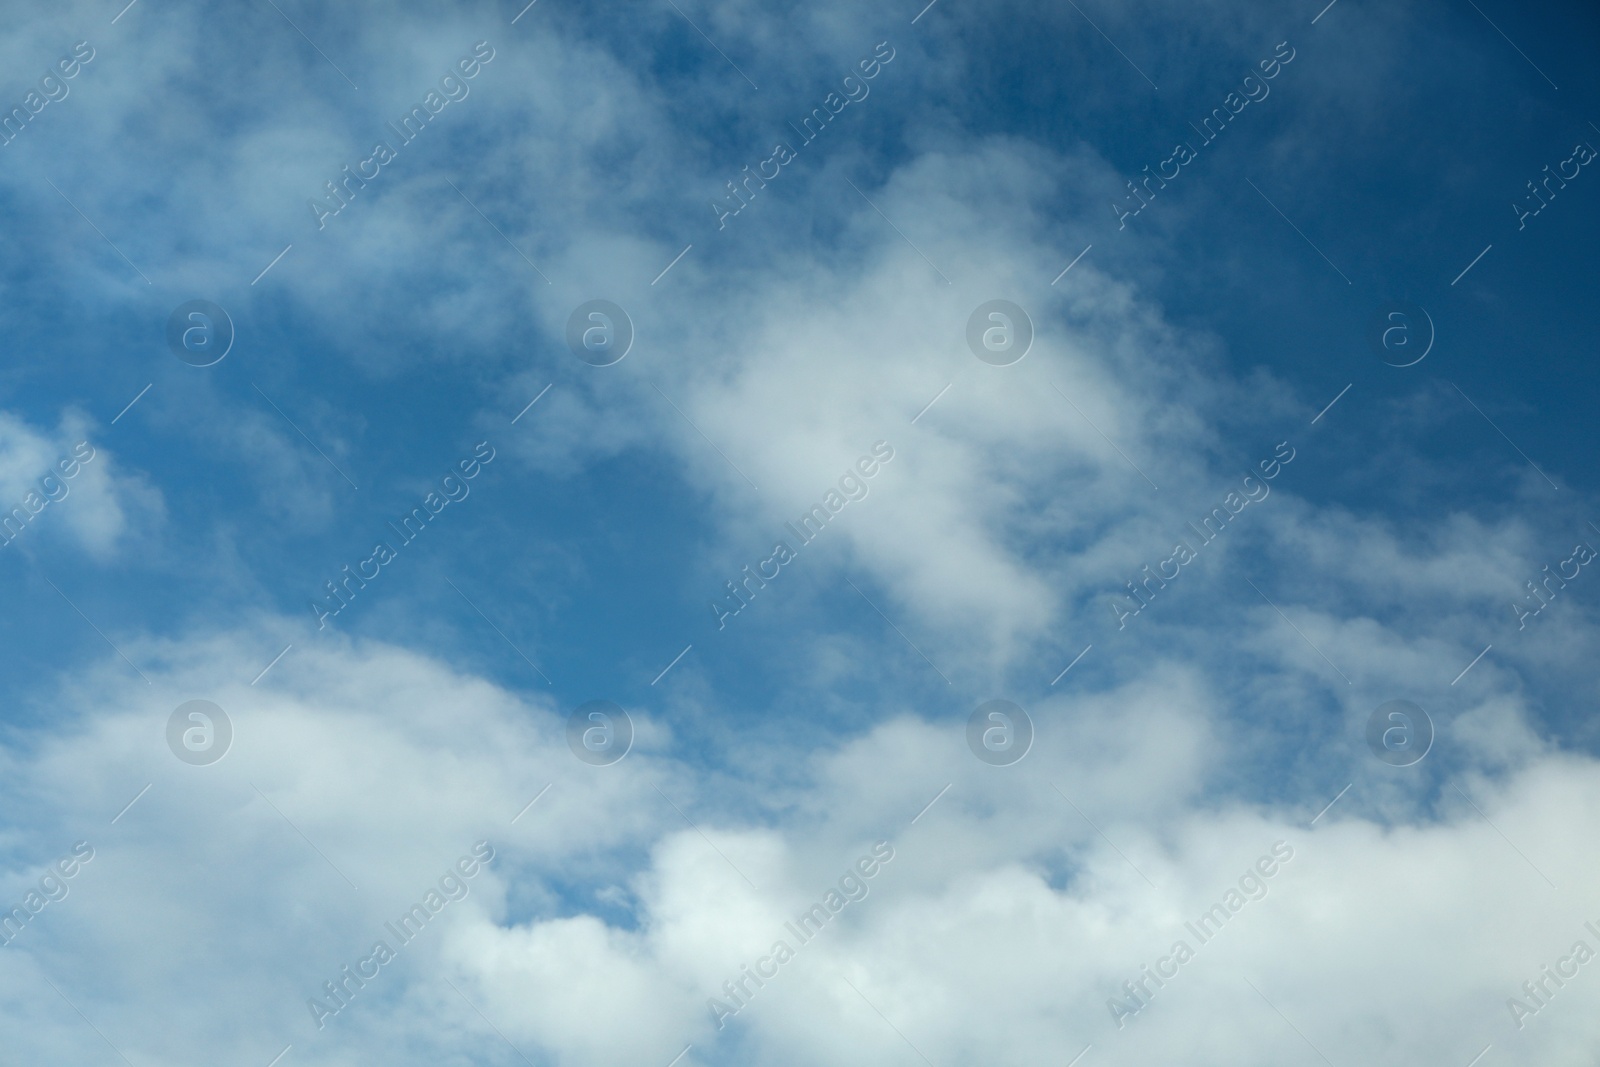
(1193, 536)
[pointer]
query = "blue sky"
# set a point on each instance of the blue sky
(1175, 352)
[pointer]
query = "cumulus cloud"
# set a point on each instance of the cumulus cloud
(1010, 913)
(1213, 726)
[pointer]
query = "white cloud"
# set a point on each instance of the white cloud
(1022, 899)
(65, 482)
(1004, 921)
